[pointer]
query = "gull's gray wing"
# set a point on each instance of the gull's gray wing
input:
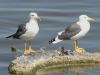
(70, 31)
(20, 31)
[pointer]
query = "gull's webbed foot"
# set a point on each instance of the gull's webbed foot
(28, 52)
(80, 50)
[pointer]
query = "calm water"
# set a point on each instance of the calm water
(56, 15)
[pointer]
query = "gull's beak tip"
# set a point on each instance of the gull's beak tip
(91, 19)
(39, 18)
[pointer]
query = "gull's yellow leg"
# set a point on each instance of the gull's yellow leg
(75, 45)
(77, 49)
(26, 50)
(30, 48)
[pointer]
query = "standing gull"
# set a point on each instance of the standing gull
(74, 32)
(27, 32)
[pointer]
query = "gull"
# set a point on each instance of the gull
(74, 32)
(27, 32)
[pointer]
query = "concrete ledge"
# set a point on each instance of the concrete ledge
(28, 65)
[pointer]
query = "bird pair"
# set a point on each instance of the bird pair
(28, 31)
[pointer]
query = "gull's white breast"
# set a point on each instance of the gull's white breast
(32, 29)
(85, 27)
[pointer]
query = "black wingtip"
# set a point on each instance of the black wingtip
(51, 41)
(9, 36)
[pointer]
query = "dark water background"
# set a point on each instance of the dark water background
(56, 15)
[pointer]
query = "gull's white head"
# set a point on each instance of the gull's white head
(85, 18)
(34, 15)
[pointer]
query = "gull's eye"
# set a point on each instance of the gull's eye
(32, 15)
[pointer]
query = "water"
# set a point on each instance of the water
(71, 71)
(56, 15)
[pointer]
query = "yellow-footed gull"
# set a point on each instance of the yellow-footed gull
(74, 32)
(27, 32)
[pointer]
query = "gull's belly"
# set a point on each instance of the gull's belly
(30, 34)
(79, 35)
(84, 30)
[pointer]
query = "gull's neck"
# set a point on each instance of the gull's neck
(85, 22)
(32, 20)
